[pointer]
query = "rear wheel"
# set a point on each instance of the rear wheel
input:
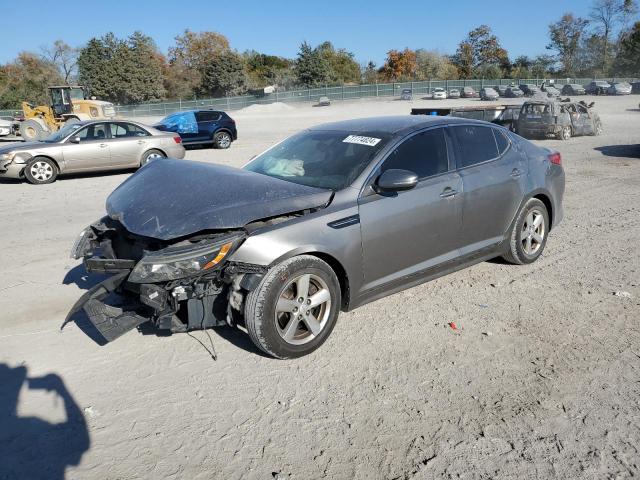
(31, 130)
(294, 309)
(598, 128)
(529, 233)
(222, 140)
(150, 155)
(41, 170)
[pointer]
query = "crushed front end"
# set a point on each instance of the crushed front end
(178, 285)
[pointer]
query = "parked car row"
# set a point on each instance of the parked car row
(100, 145)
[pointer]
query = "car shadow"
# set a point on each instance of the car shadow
(33, 447)
(620, 151)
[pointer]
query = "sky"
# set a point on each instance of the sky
(367, 28)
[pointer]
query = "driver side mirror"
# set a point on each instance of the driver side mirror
(74, 140)
(395, 180)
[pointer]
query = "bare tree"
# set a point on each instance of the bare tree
(64, 57)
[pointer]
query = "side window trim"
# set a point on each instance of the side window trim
(376, 171)
(485, 161)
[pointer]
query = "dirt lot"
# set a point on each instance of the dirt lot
(541, 380)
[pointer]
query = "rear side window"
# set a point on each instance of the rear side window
(425, 154)
(474, 144)
(207, 116)
(501, 141)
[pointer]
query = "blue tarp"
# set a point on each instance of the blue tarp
(181, 122)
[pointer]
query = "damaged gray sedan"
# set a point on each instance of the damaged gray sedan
(327, 220)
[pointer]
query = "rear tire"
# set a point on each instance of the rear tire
(40, 171)
(294, 309)
(529, 233)
(151, 155)
(222, 140)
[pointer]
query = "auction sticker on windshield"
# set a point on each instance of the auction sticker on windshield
(370, 141)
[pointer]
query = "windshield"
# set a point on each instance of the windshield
(322, 159)
(63, 133)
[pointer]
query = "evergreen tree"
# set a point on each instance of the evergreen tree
(225, 75)
(311, 69)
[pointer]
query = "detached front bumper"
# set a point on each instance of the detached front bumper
(11, 170)
(177, 306)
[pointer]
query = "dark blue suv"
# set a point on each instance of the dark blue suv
(201, 127)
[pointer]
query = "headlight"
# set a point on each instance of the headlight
(182, 262)
(82, 243)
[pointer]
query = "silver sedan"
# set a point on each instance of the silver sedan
(89, 146)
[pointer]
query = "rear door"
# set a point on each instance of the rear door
(207, 124)
(91, 153)
(406, 232)
(493, 176)
(127, 144)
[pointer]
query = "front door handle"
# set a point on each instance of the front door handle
(448, 192)
(515, 173)
(103, 145)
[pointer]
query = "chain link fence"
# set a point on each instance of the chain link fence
(344, 92)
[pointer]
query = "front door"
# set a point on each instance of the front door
(493, 177)
(91, 153)
(407, 232)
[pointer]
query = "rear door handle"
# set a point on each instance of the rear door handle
(448, 192)
(141, 142)
(515, 173)
(103, 145)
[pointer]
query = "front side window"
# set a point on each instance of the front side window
(320, 158)
(95, 131)
(424, 154)
(475, 144)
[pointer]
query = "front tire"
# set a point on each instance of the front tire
(565, 133)
(222, 140)
(294, 309)
(529, 233)
(40, 171)
(31, 130)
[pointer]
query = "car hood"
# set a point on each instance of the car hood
(18, 146)
(168, 199)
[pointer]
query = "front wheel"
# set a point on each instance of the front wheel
(294, 309)
(598, 128)
(529, 233)
(565, 133)
(40, 171)
(222, 140)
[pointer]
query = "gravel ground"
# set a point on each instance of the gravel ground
(541, 379)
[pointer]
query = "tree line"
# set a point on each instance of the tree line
(203, 64)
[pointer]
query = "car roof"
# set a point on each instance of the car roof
(391, 125)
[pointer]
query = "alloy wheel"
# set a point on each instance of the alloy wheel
(153, 156)
(533, 232)
(41, 171)
(303, 308)
(566, 133)
(224, 140)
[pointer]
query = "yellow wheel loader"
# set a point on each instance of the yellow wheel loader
(68, 104)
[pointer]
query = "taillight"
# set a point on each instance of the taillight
(177, 139)
(555, 158)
